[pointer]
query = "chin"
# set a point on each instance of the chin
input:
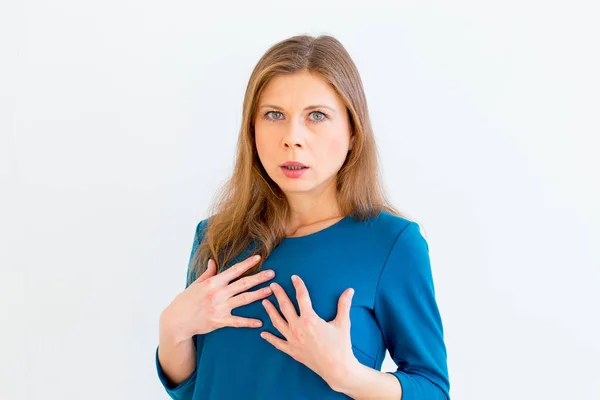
(294, 185)
(291, 185)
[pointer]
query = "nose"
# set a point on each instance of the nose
(294, 135)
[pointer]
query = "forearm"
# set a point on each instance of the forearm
(177, 359)
(364, 383)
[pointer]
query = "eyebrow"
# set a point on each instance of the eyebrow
(306, 108)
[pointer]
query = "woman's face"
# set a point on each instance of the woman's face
(301, 118)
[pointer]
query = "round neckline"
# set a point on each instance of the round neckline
(317, 233)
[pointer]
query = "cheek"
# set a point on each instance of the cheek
(337, 144)
(260, 143)
(264, 148)
(336, 149)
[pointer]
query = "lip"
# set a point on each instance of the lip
(293, 163)
(293, 173)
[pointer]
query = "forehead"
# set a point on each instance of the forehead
(299, 90)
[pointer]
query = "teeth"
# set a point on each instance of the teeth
(294, 167)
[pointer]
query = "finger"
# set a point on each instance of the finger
(278, 322)
(240, 322)
(344, 305)
(247, 282)
(285, 304)
(248, 297)
(278, 343)
(211, 268)
(302, 296)
(236, 270)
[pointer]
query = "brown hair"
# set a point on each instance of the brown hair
(251, 209)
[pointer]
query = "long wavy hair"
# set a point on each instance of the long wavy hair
(250, 209)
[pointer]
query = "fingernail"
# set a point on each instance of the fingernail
(257, 324)
(256, 257)
(294, 278)
(270, 274)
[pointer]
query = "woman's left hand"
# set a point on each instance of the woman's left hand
(324, 347)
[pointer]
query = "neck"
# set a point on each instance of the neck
(316, 216)
(313, 208)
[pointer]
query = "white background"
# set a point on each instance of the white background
(118, 122)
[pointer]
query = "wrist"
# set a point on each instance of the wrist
(168, 336)
(344, 382)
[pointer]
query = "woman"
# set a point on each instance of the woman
(305, 197)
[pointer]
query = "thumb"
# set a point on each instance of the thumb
(344, 305)
(210, 271)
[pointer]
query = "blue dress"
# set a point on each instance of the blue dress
(386, 260)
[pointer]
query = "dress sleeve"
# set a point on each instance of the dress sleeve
(184, 390)
(407, 313)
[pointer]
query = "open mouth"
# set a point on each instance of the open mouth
(293, 171)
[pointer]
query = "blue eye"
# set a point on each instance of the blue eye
(322, 116)
(269, 112)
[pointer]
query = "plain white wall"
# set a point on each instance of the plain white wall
(119, 119)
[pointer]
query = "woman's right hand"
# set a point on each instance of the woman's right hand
(206, 304)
